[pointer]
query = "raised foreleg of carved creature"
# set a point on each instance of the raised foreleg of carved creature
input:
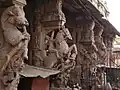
(52, 50)
(72, 55)
(22, 45)
(13, 23)
(25, 41)
(10, 55)
(52, 47)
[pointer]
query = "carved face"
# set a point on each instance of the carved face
(17, 17)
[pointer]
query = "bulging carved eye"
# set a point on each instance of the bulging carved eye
(11, 13)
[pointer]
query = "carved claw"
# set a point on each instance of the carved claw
(58, 57)
(8, 57)
(25, 57)
(25, 54)
(57, 54)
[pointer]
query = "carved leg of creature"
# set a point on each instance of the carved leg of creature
(11, 54)
(2, 87)
(14, 50)
(14, 84)
(51, 46)
(70, 63)
(54, 51)
(73, 47)
(61, 65)
(25, 41)
(25, 48)
(70, 66)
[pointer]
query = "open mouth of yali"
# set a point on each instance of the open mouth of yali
(20, 27)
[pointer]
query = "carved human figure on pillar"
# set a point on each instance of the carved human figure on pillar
(88, 34)
(102, 50)
(54, 15)
(16, 39)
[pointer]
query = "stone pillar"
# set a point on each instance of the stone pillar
(15, 48)
(49, 17)
(50, 47)
(86, 59)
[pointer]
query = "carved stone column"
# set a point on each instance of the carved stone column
(49, 18)
(87, 56)
(51, 49)
(15, 49)
(88, 40)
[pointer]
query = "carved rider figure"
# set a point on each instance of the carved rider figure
(61, 48)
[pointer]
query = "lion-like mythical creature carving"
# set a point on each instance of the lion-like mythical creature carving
(13, 24)
(64, 56)
(15, 39)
